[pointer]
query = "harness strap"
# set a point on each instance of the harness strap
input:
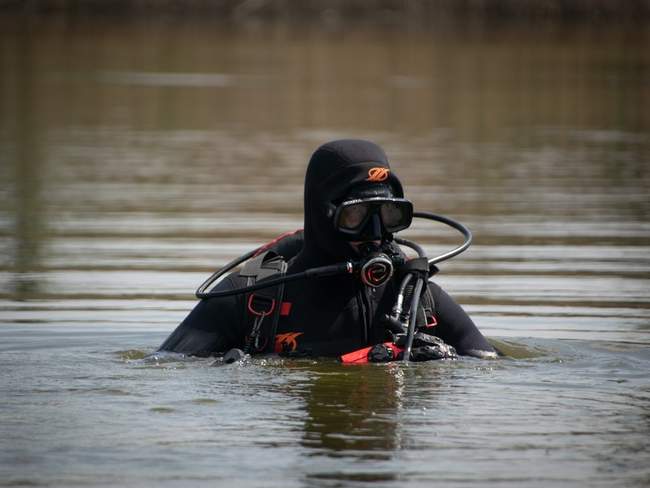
(264, 303)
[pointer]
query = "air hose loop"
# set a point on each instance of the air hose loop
(373, 271)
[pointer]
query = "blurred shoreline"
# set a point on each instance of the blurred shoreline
(416, 13)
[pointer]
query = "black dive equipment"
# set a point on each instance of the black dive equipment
(375, 266)
(376, 269)
(346, 267)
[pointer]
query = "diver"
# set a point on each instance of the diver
(353, 205)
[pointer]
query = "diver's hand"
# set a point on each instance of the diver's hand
(425, 348)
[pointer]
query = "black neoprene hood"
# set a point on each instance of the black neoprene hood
(335, 170)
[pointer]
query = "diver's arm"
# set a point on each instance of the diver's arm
(214, 325)
(456, 328)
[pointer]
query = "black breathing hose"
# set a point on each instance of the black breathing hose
(200, 291)
(415, 302)
(467, 234)
(331, 270)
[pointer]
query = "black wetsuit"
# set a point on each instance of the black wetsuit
(323, 316)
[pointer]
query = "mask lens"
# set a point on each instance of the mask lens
(361, 219)
(353, 216)
(395, 215)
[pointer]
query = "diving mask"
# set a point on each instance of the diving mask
(370, 218)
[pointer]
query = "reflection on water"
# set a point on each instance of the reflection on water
(354, 411)
(138, 155)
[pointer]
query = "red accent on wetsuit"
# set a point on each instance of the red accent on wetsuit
(285, 309)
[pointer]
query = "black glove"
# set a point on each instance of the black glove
(425, 348)
(428, 347)
(381, 353)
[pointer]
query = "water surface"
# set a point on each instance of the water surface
(138, 156)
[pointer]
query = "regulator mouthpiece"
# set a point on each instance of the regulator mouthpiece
(377, 270)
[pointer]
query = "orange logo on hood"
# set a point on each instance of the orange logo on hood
(377, 174)
(286, 342)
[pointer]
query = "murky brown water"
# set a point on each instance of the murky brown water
(137, 156)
